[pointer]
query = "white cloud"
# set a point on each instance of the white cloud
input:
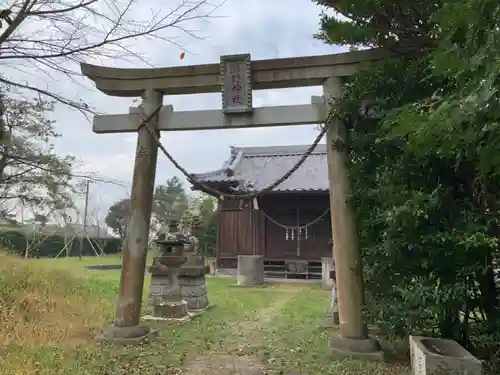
(116, 165)
(266, 29)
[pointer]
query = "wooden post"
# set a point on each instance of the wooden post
(347, 258)
(217, 236)
(128, 308)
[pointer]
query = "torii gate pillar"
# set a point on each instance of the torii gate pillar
(353, 340)
(127, 327)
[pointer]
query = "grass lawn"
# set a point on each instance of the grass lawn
(50, 311)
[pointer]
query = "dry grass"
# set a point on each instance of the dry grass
(51, 309)
(43, 307)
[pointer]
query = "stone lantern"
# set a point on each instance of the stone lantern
(185, 220)
(165, 291)
(192, 273)
(193, 251)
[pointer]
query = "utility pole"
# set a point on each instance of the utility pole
(85, 214)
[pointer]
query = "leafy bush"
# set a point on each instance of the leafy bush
(425, 144)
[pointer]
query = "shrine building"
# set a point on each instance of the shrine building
(289, 226)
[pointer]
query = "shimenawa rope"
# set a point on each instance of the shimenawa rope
(209, 189)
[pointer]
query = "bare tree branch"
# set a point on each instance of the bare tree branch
(57, 35)
(42, 43)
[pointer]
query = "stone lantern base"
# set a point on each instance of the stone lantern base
(166, 298)
(191, 281)
(193, 287)
(171, 310)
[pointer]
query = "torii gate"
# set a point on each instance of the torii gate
(236, 76)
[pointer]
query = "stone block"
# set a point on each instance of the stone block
(250, 270)
(160, 287)
(197, 303)
(155, 289)
(171, 310)
(195, 260)
(193, 291)
(191, 281)
(160, 280)
(326, 267)
(432, 356)
(193, 271)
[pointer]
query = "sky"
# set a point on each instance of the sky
(265, 29)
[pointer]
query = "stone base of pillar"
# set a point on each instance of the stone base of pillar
(363, 349)
(138, 334)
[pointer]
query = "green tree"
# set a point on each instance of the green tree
(207, 207)
(118, 216)
(32, 174)
(207, 210)
(170, 200)
(204, 206)
(425, 172)
(208, 240)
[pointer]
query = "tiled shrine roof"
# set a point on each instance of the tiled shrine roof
(255, 168)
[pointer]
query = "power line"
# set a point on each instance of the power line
(93, 178)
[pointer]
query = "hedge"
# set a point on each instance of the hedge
(49, 246)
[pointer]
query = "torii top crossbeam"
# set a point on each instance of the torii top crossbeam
(196, 79)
